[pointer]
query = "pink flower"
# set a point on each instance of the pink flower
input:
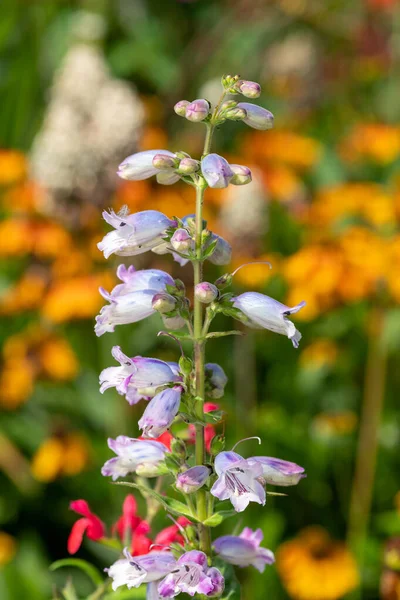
(90, 525)
(130, 525)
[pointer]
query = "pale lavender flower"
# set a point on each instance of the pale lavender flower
(256, 116)
(160, 412)
(222, 253)
(238, 480)
(265, 312)
(241, 175)
(244, 550)
(180, 107)
(140, 165)
(132, 300)
(279, 472)
(182, 241)
(216, 171)
(250, 89)
(191, 576)
(132, 454)
(218, 582)
(137, 377)
(192, 479)
(216, 380)
(197, 110)
(133, 233)
(206, 292)
(133, 571)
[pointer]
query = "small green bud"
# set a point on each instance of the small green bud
(163, 303)
(188, 166)
(236, 114)
(228, 105)
(223, 281)
(217, 444)
(191, 534)
(185, 365)
(180, 287)
(171, 463)
(178, 448)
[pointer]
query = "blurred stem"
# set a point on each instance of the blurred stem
(367, 447)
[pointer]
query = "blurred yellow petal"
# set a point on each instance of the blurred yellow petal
(47, 462)
(8, 548)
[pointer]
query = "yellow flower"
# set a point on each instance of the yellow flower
(15, 237)
(58, 360)
(320, 353)
(25, 295)
(16, 382)
(8, 548)
(285, 147)
(314, 567)
(12, 167)
(372, 141)
(283, 183)
(60, 455)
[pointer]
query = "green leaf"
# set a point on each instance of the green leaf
(217, 518)
(214, 416)
(83, 565)
(218, 334)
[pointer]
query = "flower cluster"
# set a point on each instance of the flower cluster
(176, 392)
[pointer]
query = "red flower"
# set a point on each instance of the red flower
(131, 526)
(90, 524)
(165, 438)
(209, 431)
(172, 534)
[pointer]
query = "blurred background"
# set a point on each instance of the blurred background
(84, 84)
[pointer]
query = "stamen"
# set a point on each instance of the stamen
(256, 262)
(253, 437)
(173, 337)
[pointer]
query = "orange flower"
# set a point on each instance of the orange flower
(60, 455)
(329, 425)
(320, 353)
(16, 237)
(8, 548)
(377, 142)
(25, 295)
(285, 147)
(57, 359)
(283, 183)
(16, 382)
(12, 167)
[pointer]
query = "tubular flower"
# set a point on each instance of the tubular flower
(192, 479)
(137, 377)
(256, 116)
(279, 472)
(131, 526)
(141, 165)
(132, 454)
(238, 480)
(132, 572)
(172, 534)
(191, 575)
(244, 550)
(133, 233)
(216, 171)
(90, 525)
(132, 300)
(160, 412)
(263, 311)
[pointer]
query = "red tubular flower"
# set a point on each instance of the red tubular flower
(165, 438)
(132, 526)
(209, 431)
(90, 524)
(172, 534)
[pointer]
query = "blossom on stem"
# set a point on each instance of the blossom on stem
(197, 110)
(238, 480)
(132, 454)
(216, 381)
(265, 312)
(279, 472)
(222, 252)
(137, 377)
(191, 575)
(160, 412)
(244, 550)
(140, 165)
(131, 527)
(181, 241)
(192, 479)
(256, 116)
(133, 233)
(216, 171)
(133, 571)
(241, 175)
(250, 89)
(132, 300)
(90, 525)
(206, 292)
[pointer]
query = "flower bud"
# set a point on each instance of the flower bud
(222, 252)
(163, 303)
(218, 582)
(205, 292)
(197, 110)
(217, 444)
(150, 470)
(185, 365)
(181, 241)
(223, 281)
(163, 161)
(257, 117)
(180, 107)
(188, 166)
(174, 323)
(216, 380)
(242, 175)
(228, 105)
(216, 171)
(178, 448)
(250, 89)
(160, 412)
(180, 287)
(193, 479)
(236, 114)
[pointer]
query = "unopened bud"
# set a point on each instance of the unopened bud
(180, 287)
(188, 166)
(180, 107)
(222, 252)
(241, 175)
(223, 281)
(197, 110)
(178, 448)
(185, 365)
(235, 114)
(192, 479)
(181, 241)
(228, 105)
(162, 161)
(205, 292)
(256, 116)
(206, 234)
(174, 323)
(150, 469)
(163, 303)
(217, 444)
(250, 89)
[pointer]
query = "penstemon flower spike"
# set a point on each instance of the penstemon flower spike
(191, 461)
